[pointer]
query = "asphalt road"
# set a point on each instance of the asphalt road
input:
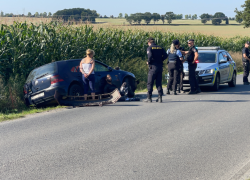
(189, 137)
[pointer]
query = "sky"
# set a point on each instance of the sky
(112, 7)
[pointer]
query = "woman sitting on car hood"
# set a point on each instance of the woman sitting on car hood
(87, 66)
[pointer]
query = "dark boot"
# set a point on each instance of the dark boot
(175, 93)
(149, 99)
(198, 90)
(159, 100)
(168, 91)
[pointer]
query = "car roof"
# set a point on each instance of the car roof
(211, 49)
(79, 60)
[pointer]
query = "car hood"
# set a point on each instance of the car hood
(201, 66)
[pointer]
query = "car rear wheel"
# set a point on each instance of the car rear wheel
(216, 85)
(232, 83)
(75, 90)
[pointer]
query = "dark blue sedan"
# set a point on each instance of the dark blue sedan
(66, 78)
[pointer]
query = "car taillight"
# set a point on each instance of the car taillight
(25, 91)
(55, 79)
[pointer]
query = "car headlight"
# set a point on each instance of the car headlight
(209, 71)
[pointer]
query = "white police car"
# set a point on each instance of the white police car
(215, 66)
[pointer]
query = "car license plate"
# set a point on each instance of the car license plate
(37, 96)
(185, 78)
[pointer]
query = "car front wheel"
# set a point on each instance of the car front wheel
(232, 83)
(216, 85)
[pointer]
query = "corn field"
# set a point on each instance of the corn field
(24, 47)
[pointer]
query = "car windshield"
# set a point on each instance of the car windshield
(206, 58)
(41, 71)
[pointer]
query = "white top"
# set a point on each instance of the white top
(87, 67)
(178, 53)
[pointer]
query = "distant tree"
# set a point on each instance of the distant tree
(50, 14)
(205, 17)
(147, 16)
(178, 16)
(44, 14)
(120, 15)
(218, 17)
(2, 14)
(29, 14)
(129, 19)
(186, 16)
(36, 14)
(77, 14)
(163, 18)
(111, 16)
(41, 15)
(105, 16)
(169, 17)
(194, 17)
(233, 18)
(156, 17)
(126, 15)
(244, 16)
(137, 18)
(189, 16)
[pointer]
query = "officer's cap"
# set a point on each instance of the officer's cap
(190, 40)
(176, 42)
(248, 42)
(151, 39)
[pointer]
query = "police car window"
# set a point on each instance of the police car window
(224, 55)
(207, 58)
(229, 56)
(221, 56)
(100, 67)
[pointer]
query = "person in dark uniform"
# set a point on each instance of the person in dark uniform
(246, 62)
(156, 56)
(181, 73)
(174, 60)
(192, 56)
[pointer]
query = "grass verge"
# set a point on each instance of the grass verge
(15, 114)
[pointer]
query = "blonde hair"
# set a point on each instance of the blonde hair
(172, 49)
(89, 52)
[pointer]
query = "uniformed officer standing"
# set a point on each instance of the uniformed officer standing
(246, 62)
(156, 56)
(174, 60)
(192, 56)
(181, 73)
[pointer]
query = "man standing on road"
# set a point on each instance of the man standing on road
(156, 56)
(246, 62)
(192, 57)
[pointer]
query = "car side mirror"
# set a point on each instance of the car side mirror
(223, 61)
(110, 69)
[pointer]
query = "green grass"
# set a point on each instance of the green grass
(15, 114)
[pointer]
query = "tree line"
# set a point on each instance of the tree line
(37, 14)
(148, 17)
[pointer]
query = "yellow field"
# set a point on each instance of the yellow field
(180, 26)
(11, 20)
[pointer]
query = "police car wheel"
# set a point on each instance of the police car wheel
(232, 83)
(216, 85)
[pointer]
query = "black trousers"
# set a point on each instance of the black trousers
(180, 81)
(246, 71)
(155, 74)
(192, 77)
(173, 69)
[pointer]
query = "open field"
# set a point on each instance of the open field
(180, 26)
(11, 20)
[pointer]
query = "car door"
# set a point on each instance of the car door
(101, 71)
(231, 66)
(227, 66)
(223, 68)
